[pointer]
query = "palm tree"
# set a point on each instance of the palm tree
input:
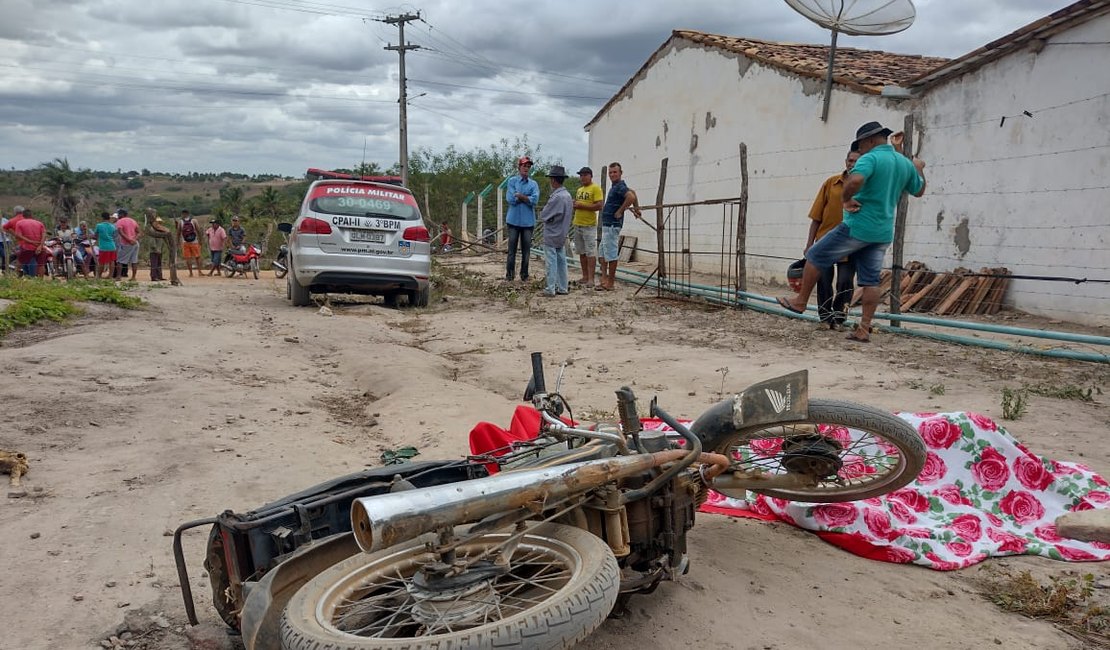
(64, 185)
(269, 201)
(231, 198)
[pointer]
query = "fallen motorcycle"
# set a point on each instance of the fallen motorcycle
(534, 542)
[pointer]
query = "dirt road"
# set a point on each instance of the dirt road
(220, 395)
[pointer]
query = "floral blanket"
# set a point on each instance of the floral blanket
(980, 494)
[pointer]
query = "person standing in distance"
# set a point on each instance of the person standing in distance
(827, 212)
(556, 217)
(870, 196)
(190, 241)
(620, 198)
(583, 231)
(523, 194)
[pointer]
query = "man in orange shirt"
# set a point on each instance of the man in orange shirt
(826, 213)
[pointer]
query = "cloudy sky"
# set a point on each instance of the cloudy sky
(277, 86)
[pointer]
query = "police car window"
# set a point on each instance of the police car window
(355, 205)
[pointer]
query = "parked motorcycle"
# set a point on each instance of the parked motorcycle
(87, 251)
(280, 265)
(64, 263)
(242, 261)
(467, 554)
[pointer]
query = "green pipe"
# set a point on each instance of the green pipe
(720, 296)
(1087, 339)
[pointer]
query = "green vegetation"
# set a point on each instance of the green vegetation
(1014, 404)
(38, 300)
(1062, 392)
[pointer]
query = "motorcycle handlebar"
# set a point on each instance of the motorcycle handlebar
(537, 373)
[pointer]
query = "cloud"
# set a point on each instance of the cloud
(215, 85)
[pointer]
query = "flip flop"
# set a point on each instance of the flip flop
(853, 337)
(785, 304)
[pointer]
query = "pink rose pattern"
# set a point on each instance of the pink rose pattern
(980, 494)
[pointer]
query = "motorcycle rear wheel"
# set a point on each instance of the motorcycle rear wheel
(874, 452)
(562, 585)
(279, 272)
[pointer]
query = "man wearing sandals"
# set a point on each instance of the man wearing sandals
(612, 220)
(870, 196)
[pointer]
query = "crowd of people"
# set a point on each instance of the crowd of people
(566, 220)
(110, 248)
(851, 227)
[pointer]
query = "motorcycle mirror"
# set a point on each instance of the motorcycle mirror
(285, 227)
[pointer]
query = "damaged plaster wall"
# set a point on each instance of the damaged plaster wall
(1021, 193)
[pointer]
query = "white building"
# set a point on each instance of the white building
(1016, 136)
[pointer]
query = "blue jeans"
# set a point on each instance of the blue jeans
(839, 243)
(522, 236)
(555, 259)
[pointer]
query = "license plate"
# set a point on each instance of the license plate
(372, 237)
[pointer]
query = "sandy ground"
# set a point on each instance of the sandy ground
(220, 395)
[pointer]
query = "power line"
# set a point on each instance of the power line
(501, 90)
(316, 8)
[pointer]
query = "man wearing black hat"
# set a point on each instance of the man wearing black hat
(870, 196)
(556, 217)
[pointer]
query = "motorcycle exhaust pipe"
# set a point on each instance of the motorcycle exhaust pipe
(383, 520)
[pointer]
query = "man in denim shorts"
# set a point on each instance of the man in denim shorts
(620, 198)
(870, 196)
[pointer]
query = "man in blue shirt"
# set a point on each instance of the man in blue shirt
(870, 195)
(620, 198)
(522, 193)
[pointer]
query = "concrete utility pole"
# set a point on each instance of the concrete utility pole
(404, 99)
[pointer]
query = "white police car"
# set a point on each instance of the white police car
(360, 237)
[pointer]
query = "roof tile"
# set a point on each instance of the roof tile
(864, 70)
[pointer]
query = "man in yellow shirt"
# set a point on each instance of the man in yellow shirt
(826, 213)
(583, 232)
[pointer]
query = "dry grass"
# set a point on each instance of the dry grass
(1066, 601)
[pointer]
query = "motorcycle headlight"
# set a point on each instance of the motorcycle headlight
(67, 245)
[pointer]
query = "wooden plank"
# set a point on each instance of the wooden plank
(998, 291)
(1085, 525)
(951, 303)
(980, 292)
(921, 279)
(917, 297)
(626, 246)
(933, 298)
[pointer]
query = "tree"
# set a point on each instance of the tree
(231, 199)
(269, 202)
(445, 177)
(64, 186)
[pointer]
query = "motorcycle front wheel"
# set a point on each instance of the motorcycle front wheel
(561, 584)
(851, 451)
(254, 268)
(71, 270)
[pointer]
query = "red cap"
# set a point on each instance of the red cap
(524, 160)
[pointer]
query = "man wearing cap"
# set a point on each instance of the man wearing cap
(190, 241)
(870, 196)
(620, 198)
(216, 236)
(827, 212)
(556, 217)
(583, 231)
(522, 193)
(128, 252)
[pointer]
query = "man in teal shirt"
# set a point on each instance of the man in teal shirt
(871, 193)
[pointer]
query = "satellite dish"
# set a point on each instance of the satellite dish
(855, 18)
